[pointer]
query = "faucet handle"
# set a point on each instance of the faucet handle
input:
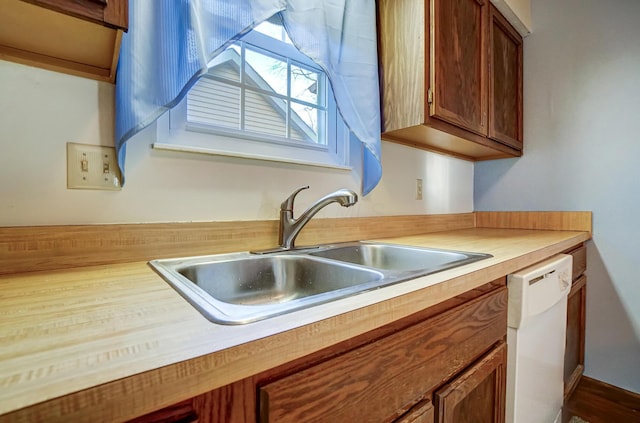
(288, 203)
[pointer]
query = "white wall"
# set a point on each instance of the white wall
(582, 109)
(40, 111)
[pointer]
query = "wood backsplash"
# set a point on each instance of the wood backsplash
(35, 248)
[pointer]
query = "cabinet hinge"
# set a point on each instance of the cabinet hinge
(429, 96)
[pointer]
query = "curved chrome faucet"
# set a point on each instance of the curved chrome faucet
(290, 227)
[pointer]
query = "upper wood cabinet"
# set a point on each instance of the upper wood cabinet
(451, 77)
(505, 85)
(79, 37)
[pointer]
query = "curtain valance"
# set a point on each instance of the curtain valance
(170, 43)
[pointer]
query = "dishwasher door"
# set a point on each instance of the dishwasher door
(537, 320)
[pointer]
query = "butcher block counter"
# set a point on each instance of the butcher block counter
(111, 342)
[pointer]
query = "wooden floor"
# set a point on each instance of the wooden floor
(598, 402)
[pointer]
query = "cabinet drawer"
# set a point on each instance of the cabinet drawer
(382, 380)
(579, 261)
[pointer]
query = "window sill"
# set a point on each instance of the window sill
(249, 156)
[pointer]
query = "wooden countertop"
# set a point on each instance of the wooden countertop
(115, 341)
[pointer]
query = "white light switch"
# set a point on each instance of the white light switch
(92, 167)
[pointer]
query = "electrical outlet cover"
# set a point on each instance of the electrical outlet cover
(92, 167)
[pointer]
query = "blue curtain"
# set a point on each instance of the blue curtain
(170, 42)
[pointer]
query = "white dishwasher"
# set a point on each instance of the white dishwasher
(537, 324)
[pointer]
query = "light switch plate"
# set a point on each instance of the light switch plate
(92, 167)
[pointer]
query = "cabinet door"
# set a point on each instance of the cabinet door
(458, 63)
(574, 350)
(505, 82)
(478, 394)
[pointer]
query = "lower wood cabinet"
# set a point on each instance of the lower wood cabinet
(478, 394)
(576, 314)
(444, 364)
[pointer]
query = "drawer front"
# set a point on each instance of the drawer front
(382, 380)
(579, 261)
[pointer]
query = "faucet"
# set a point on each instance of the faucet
(291, 227)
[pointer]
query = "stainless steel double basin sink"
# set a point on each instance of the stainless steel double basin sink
(240, 288)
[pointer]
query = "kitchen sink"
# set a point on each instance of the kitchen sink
(273, 279)
(240, 288)
(396, 257)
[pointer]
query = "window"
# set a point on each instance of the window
(261, 98)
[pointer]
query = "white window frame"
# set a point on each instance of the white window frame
(175, 133)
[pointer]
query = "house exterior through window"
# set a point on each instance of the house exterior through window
(262, 97)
